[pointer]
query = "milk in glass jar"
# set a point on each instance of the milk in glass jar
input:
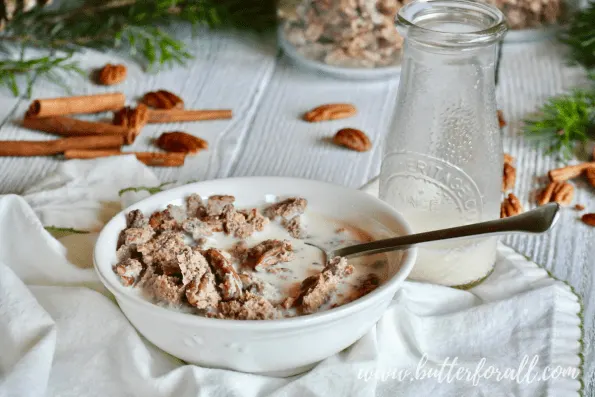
(442, 162)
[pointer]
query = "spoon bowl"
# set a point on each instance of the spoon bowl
(539, 220)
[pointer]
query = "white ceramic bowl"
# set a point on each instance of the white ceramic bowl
(273, 347)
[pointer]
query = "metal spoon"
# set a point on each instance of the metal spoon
(538, 220)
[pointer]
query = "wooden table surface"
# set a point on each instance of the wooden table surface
(267, 137)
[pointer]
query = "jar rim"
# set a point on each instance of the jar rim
(409, 26)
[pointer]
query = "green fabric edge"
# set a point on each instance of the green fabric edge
(581, 316)
(149, 189)
(475, 283)
(59, 232)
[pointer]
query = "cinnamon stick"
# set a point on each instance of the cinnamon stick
(569, 172)
(174, 115)
(47, 148)
(91, 154)
(148, 158)
(76, 105)
(161, 159)
(67, 126)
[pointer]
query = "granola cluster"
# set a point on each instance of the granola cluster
(347, 33)
(316, 289)
(165, 256)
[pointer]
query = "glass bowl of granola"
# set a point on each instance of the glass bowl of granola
(219, 274)
(346, 38)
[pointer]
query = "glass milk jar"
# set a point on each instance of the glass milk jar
(442, 161)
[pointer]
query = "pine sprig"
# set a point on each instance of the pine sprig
(567, 120)
(140, 27)
(579, 35)
(137, 25)
(13, 71)
(564, 121)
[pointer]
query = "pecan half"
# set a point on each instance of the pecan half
(510, 206)
(508, 177)
(332, 111)
(181, 142)
(112, 74)
(230, 283)
(501, 121)
(352, 139)
(269, 253)
(163, 100)
(288, 208)
(589, 219)
(202, 293)
(133, 118)
(559, 192)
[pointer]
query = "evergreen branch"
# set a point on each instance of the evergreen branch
(29, 69)
(564, 121)
(134, 24)
(579, 35)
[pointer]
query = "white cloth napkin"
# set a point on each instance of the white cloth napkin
(62, 334)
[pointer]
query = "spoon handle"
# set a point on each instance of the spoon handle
(538, 220)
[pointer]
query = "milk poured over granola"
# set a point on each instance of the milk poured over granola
(321, 231)
(212, 258)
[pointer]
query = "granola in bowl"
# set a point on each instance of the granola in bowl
(282, 346)
(354, 39)
(212, 258)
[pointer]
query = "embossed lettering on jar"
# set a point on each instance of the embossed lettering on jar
(442, 160)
